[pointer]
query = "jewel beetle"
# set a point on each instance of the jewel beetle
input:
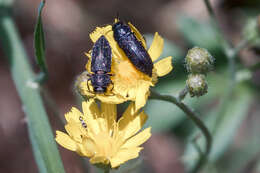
(101, 57)
(132, 47)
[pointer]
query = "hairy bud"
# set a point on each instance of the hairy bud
(197, 85)
(199, 60)
(83, 77)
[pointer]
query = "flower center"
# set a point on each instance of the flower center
(106, 145)
(127, 74)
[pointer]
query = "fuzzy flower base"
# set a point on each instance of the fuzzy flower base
(128, 82)
(97, 134)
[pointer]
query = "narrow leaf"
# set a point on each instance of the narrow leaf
(39, 46)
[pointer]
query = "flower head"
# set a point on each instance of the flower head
(197, 85)
(199, 60)
(97, 134)
(128, 82)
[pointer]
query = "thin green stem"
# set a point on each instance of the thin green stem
(194, 117)
(231, 53)
(226, 46)
(45, 149)
(183, 93)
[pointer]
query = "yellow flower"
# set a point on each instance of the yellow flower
(97, 134)
(128, 82)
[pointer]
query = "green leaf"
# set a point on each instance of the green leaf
(39, 46)
(199, 34)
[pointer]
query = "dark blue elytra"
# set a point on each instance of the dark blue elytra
(132, 47)
(101, 65)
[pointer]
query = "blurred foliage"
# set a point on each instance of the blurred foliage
(165, 116)
(204, 35)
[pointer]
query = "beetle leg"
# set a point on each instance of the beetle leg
(110, 74)
(112, 86)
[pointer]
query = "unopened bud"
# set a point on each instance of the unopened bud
(197, 85)
(199, 60)
(83, 77)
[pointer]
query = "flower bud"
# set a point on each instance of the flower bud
(83, 77)
(197, 85)
(199, 60)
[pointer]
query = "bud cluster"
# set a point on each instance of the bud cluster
(198, 63)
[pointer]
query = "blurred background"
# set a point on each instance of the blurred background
(183, 24)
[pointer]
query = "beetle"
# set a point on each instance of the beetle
(132, 47)
(82, 122)
(101, 57)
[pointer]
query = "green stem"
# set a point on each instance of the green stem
(183, 93)
(49, 101)
(226, 46)
(44, 147)
(192, 115)
(231, 53)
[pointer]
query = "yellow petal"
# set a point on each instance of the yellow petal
(103, 124)
(88, 54)
(88, 64)
(127, 116)
(74, 131)
(156, 47)
(141, 94)
(109, 110)
(114, 99)
(124, 155)
(163, 66)
(64, 140)
(90, 109)
(134, 125)
(91, 113)
(81, 150)
(137, 34)
(99, 159)
(138, 139)
(73, 115)
(94, 36)
(89, 147)
(110, 113)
